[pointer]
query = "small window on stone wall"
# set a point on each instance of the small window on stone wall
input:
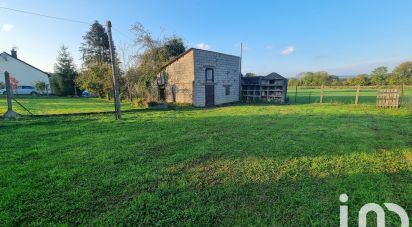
(227, 90)
(209, 75)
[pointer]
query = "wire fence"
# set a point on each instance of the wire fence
(27, 105)
(343, 94)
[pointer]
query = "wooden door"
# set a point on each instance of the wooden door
(210, 95)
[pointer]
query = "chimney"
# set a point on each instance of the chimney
(14, 53)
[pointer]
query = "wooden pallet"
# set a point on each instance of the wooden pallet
(388, 98)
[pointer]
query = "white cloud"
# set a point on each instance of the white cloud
(7, 27)
(203, 46)
(288, 51)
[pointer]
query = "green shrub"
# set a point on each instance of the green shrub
(139, 102)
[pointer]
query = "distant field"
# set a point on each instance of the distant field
(335, 95)
(60, 105)
(231, 166)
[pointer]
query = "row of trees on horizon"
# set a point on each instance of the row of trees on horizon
(380, 76)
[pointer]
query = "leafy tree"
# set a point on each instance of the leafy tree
(323, 78)
(2, 85)
(361, 80)
(96, 74)
(151, 61)
(95, 48)
(174, 47)
(97, 80)
(402, 74)
(293, 82)
(379, 75)
(55, 84)
(41, 86)
(157, 52)
(250, 74)
(308, 78)
(316, 78)
(65, 74)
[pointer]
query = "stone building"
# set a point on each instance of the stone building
(202, 78)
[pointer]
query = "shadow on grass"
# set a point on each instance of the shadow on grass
(218, 166)
(302, 201)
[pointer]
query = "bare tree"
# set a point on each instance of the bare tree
(144, 38)
(129, 59)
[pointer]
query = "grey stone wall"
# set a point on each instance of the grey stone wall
(226, 73)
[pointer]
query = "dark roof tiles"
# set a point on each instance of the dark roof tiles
(257, 79)
(274, 76)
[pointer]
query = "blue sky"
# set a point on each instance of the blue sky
(343, 37)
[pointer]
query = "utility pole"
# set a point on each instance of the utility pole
(240, 72)
(241, 56)
(115, 79)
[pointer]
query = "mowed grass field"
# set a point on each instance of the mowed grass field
(59, 105)
(342, 95)
(47, 105)
(237, 165)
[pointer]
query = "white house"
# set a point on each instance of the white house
(23, 72)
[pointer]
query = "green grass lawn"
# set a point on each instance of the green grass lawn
(60, 105)
(238, 165)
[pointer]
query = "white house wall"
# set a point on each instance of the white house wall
(25, 74)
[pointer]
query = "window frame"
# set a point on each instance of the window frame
(227, 90)
(213, 74)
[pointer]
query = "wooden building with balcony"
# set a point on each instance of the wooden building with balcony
(272, 87)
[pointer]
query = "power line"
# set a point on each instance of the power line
(60, 18)
(47, 16)
(121, 33)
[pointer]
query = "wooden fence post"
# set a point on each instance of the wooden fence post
(402, 94)
(310, 93)
(357, 95)
(10, 113)
(321, 93)
(296, 93)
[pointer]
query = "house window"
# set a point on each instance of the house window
(209, 75)
(227, 90)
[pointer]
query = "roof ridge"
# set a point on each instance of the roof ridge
(34, 67)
